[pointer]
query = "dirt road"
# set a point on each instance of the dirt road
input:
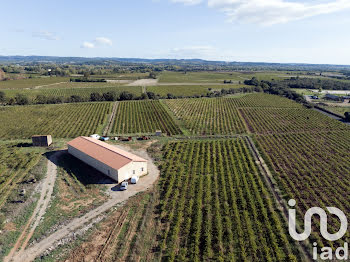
(37, 87)
(111, 118)
(276, 193)
(144, 82)
(39, 211)
(115, 197)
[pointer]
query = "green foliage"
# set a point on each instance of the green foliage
(66, 120)
(66, 92)
(143, 117)
(21, 99)
(312, 168)
(31, 82)
(2, 97)
(288, 120)
(347, 116)
(215, 206)
(208, 116)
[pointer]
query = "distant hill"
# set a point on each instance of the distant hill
(190, 62)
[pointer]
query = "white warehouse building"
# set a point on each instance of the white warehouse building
(110, 160)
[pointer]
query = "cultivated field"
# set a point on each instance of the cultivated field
(218, 77)
(31, 83)
(15, 162)
(83, 92)
(265, 100)
(197, 77)
(65, 120)
(214, 206)
(188, 90)
(340, 110)
(313, 168)
(288, 120)
(143, 117)
(208, 116)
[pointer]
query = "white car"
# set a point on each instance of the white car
(96, 136)
(134, 179)
(124, 186)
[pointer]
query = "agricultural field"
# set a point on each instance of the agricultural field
(313, 169)
(265, 100)
(205, 116)
(128, 234)
(61, 121)
(188, 90)
(214, 206)
(288, 120)
(18, 165)
(31, 82)
(218, 77)
(123, 76)
(340, 110)
(67, 92)
(198, 77)
(15, 162)
(143, 117)
(69, 85)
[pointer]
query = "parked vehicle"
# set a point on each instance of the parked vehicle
(104, 138)
(124, 186)
(143, 138)
(134, 179)
(96, 136)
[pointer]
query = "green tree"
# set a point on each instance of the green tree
(347, 116)
(41, 99)
(21, 99)
(2, 97)
(110, 96)
(151, 95)
(152, 75)
(126, 96)
(96, 97)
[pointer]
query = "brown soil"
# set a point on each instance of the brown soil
(101, 243)
(10, 226)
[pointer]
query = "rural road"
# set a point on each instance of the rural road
(144, 82)
(111, 118)
(39, 211)
(115, 197)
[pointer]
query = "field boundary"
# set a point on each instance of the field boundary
(39, 211)
(111, 119)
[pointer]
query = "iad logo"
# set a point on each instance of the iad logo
(326, 251)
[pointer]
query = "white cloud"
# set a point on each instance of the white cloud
(88, 45)
(98, 41)
(269, 12)
(187, 2)
(45, 35)
(103, 41)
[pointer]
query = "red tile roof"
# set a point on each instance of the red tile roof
(103, 152)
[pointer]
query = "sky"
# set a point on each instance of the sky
(293, 31)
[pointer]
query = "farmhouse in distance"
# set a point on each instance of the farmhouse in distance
(111, 161)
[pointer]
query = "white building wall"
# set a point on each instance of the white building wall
(103, 168)
(132, 169)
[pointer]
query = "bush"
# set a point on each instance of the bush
(21, 99)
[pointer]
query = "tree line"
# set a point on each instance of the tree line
(21, 99)
(314, 83)
(280, 88)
